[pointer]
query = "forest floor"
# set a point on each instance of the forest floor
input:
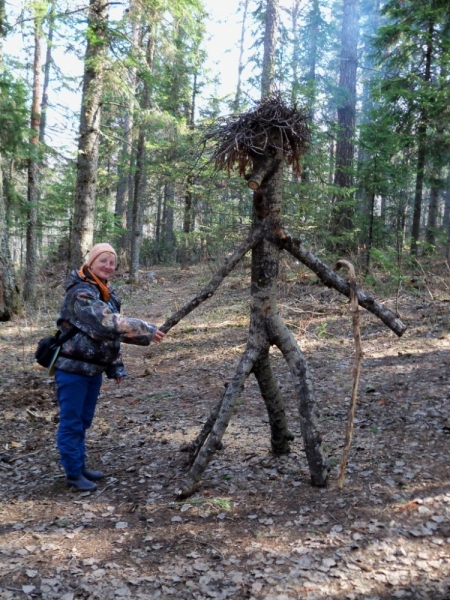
(255, 528)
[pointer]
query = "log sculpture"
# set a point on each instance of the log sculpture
(259, 143)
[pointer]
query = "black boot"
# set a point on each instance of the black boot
(81, 483)
(92, 475)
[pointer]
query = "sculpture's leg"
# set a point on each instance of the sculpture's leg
(194, 447)
(280, 435)
(244, 368)
(282, 337)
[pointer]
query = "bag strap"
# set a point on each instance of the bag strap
(62, 339)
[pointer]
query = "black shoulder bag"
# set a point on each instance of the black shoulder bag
(47, 347)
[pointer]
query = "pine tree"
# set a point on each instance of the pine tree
(342, 218)
(12, 124)
(29, 289)
(413, 48)
(90, 118)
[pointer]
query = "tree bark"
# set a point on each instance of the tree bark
(332, 279)
(214, 440)
(421, 151)
(342, 218)
(10, 301)
(446, 221)
(270, 41)
(87, 162)
(47, 70)
(254, 238)
(140, 178)
(237, 98)
(187, 221)
(312, 439)
(125, 170)
(159, 206)
(168, 219)
(418, 194)
(433, 207)
(273, 399)
(29, 288)
(370, 230)
(140, 187)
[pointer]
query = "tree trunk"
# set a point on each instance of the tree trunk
(29, 288)
(418, 194)
(125, 168)
(3, 30)
(159, 207)
(421, 152)
(47, 70)
(237, 98)
(446, 220)
(312, 31)
(270, 41)
(140, 178)
(294, 13)
(342, 218)
(188, 214)
(433, 207)
(168, 219)
(140, 187)
(87, 162)
(187, 221)
(10, 302)
(369, 242)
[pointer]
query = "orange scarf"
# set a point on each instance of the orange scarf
(86, 274)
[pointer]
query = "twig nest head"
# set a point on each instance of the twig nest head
(271, 126)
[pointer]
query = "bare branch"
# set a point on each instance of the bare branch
(270, 126)
(256, 177)
(254, 238)
(281, 336)
(213, 442)
(333, 280)
(357, 368)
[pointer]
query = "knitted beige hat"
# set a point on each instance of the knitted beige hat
(97, 250)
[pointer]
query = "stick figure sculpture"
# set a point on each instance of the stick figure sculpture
(259, 142)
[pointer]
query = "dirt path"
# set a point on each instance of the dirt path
(255, 528)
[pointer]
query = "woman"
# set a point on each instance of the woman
(91, 312)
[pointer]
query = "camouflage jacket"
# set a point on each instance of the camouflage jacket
(102, 328)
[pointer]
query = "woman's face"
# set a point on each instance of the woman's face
(104, 265)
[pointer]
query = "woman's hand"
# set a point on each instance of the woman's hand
(159, 336)
(119, 380)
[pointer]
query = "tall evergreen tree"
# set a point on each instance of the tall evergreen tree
(342, 218)
(91, 106)
(140, 179)
(269, 48)
(10, 302)
(238, 95)
(412, 49)
(29, 288)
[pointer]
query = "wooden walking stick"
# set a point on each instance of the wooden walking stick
(356, 370)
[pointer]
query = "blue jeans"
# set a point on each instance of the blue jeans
(77, 398)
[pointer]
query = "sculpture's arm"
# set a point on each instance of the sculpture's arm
(332, 279)
(254, 238)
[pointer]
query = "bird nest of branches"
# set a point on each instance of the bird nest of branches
(270, 126)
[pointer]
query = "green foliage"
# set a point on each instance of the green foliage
(321, 330)
(14, 116)
(307, 62)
